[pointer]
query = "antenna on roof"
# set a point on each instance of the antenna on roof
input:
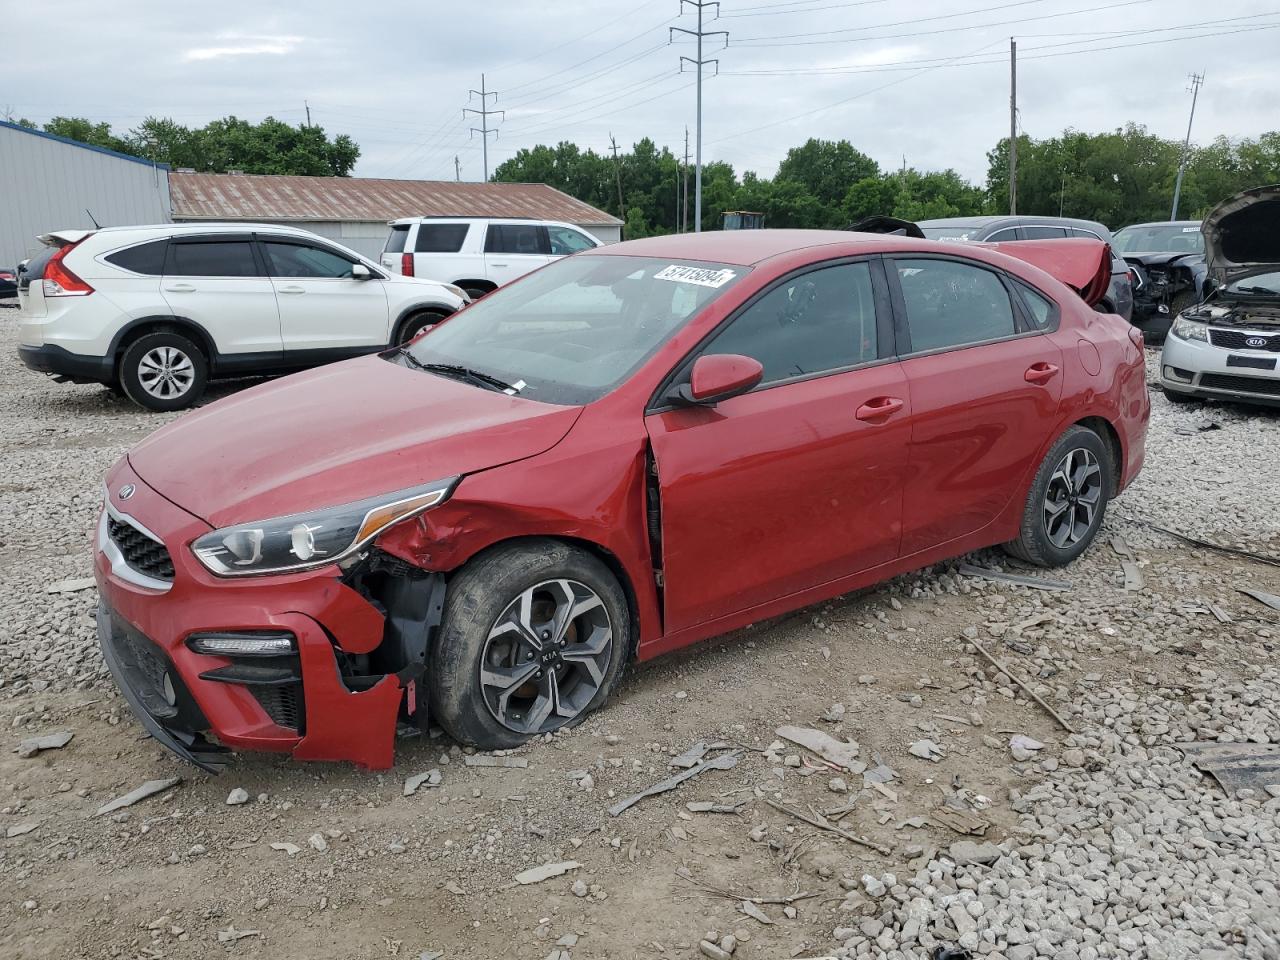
(96, 224)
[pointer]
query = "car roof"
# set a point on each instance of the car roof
(746, 247)
(211, 226)
(1163, 223)
(1012, 220)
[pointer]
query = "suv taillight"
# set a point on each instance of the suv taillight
(406, 264)
(58, 280)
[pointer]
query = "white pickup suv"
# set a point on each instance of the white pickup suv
(478, 254)
(155, 312)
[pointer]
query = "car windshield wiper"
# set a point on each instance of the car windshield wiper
(459, 372)
(1260, 291)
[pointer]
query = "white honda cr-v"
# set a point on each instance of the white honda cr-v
(156, 312)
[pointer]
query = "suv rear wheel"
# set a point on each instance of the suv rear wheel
(163, 371)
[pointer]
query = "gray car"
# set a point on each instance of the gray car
(1119, 298)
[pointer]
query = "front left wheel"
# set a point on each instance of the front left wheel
(418, 324)
(535, 635)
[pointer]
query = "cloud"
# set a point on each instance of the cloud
(244, 46)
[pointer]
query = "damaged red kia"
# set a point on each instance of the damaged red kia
(630, 450)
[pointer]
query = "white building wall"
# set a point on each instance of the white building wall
(48, 184)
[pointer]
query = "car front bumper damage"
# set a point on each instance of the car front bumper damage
(354, 668)
(1204, 370)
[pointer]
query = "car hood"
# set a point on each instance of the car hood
(1083, 265)
(339, 433)
(1242, 234)
(1158, 258)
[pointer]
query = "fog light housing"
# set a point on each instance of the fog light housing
(166, 687)
(243, 644)
(1178, 374)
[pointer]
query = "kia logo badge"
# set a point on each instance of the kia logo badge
(1255, 341)
(125, 492)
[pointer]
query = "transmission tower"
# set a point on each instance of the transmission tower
(484, 113)
(698, 62)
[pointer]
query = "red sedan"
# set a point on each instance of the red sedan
(626, 452)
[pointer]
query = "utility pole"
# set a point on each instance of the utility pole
(617, 169)
(698, 63)
(484, 113)
(1196, 80)
(1013, 126)
(684, 227)
(308, 106)
(457, 168)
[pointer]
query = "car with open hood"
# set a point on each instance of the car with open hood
(1167, 261)
(623, 453)
(1226, 347)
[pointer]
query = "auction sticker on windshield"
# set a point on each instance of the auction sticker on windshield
(699, 275)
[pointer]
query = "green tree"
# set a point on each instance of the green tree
(826, 169)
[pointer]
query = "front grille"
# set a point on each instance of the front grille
(147, 666)
(139, 550)
(284, 704)
(1235, 340)
(1259, 385)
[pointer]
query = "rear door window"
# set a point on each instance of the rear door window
(951, 304)
(211, 258)
(440, 237)
(145, 258)
(1043, 233)
(526, 238)
(396, 238)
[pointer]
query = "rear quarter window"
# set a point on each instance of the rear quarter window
(440, 237)
(145, 258)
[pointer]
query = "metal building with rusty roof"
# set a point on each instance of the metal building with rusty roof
(355, 211)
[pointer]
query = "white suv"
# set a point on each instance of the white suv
(478, 254)
(156, 311)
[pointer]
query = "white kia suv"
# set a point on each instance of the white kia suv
(155, 312)
(478, 254)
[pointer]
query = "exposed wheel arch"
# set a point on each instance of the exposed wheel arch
(603, 554)
(160, 323)
(413, 318)
(476, 286)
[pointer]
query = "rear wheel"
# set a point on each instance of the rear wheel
(1067, 500)
(163, 371)
(534, 637)
(417, 324)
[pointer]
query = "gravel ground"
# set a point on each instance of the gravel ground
(1105, 842)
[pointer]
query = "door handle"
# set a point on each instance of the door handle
(290, 289)
(1040, 372)
(499, 264)
(878, 408)
(180, 288)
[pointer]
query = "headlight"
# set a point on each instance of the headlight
(457, 292)
(303, 541)
(1185, 329)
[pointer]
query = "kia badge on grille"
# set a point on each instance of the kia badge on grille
(125, 492)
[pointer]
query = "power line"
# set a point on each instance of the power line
(762, 42)
(484, 113)
(898, 23)
(699, 63)
(771, 9)
(536, 120)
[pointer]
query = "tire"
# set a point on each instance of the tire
(1173, 396)
(1043, 539)
(163, 371)
(416, 323)
(522, 681)
(475, 293)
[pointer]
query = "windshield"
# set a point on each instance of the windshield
(574, 330)
(949, 233)
(1259, 285)
(1159, 238)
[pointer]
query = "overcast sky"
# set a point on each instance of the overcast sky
(926, 80)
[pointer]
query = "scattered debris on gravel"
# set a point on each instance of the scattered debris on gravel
(948, 765)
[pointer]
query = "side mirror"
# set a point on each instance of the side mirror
(360, 272)
(716, 377)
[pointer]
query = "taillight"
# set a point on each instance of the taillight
(406, 264)
(58, 280)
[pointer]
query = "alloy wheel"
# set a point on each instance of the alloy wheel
(1072, 498)
(546, 656)
(166, 372)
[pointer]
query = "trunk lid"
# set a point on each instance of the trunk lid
(1083, 265)
(342, 432)
(1242, 235)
